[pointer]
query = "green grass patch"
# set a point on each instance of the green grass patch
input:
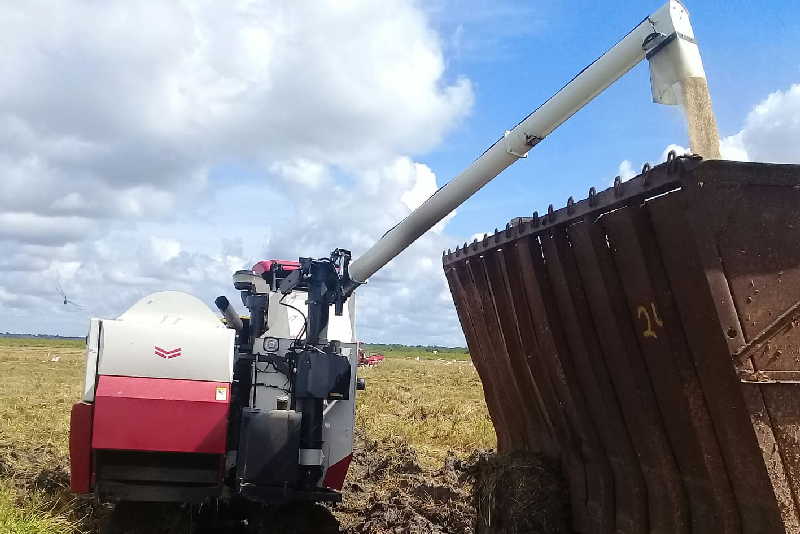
(421, 352)
(33, 513)
(41, 342)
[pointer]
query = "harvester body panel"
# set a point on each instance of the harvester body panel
(161, 415)
(92, 354)
(167, 335)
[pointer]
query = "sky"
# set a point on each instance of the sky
(150, 146)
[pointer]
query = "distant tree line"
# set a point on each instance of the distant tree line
(37, 336)
(417, 348)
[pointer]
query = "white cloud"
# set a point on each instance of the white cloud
(771, 134)
(164, 249)
(125, 128)
(771, 131)
(733, 148)
(7, 297)
(625, 171)
(424, 183)
(476, 237)
(27, 227)
(146, 94)
(307, 173)
(677, 149)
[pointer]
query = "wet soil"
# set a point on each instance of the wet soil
(388, 492)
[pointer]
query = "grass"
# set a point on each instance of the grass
(435, 404)
(36, 394)
(42, 342)
(32, 514)
(423, 353)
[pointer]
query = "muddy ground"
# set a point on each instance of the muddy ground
(389, 492)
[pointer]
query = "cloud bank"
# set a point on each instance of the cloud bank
(163, 146)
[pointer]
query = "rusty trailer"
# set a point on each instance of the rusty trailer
(645, 337)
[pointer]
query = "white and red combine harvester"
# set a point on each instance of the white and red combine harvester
(180, 408)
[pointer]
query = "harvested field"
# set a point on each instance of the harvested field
(41, 380)
(419, 421)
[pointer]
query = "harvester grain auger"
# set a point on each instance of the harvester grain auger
(230, 420)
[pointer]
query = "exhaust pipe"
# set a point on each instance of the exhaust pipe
(230, 314)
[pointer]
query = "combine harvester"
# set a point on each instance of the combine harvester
(641, 338)
(369, 359)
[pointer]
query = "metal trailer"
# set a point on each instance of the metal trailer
(645, 337)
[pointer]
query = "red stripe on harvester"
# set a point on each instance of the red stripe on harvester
(80, 448)
(159, 414)
(163, 353)
(265, 265)
(334, 476)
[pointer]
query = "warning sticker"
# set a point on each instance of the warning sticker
(222, 393)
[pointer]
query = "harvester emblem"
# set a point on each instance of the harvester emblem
(163, 353)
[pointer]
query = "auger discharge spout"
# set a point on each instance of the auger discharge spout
(665, 38)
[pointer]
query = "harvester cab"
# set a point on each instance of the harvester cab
(180, 407)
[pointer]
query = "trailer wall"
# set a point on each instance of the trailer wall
(645, 337)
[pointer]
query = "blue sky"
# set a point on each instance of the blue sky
(749, 49)
(154, 146)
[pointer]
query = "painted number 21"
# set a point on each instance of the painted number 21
(642, 311)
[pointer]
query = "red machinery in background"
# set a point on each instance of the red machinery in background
(369, 358)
